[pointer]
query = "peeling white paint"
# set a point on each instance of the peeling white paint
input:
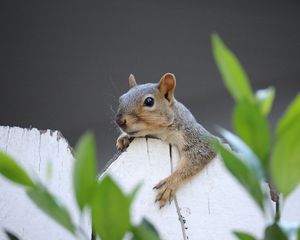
(35, 150)
(208, 207)
(212, 204)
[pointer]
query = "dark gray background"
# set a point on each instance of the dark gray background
(64, 64)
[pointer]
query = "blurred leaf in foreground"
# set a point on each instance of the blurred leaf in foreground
(233, 74)
(285, 160)
(12, 171)
(290, 118)
(253, 128)
(245, 152)
(85, 169)
(242, 173)
(274, 232)
(110, 207)
(50, 205)
(144, 231)
(133, 194)
(244, 236)
(10, 235)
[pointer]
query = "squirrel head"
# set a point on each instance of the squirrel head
(147, 108)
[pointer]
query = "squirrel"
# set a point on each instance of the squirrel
(150, 110)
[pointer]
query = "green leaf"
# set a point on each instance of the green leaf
(85, 169)
(12, 171)
(289, 228)
(51, 206)
(265, 98)
(10, 235)
(285, 159)
(233, 74)
(133, 194)
(274, 232)
(253, 128)
(110, 210)
(244, 174)
(245, 152)
(244, 236)
(144, 231)
(298, 234)
(290, 118)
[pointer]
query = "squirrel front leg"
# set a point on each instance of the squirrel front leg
(122, 141)
(183, 172)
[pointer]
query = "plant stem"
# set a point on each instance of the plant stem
(277, 209)
(275, 198)
(93, 235)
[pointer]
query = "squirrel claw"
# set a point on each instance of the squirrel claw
(122, 142)
(160, 184)
(166, 192)
(160, 195)
(164, 197)
(171, 198)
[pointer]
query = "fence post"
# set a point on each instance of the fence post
(46, 155)
(210, 206)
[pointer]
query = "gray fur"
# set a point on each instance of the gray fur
(195, 135)
(132, 98)
(170, 121)
(196, 146)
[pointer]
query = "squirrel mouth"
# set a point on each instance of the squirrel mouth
(132, 133)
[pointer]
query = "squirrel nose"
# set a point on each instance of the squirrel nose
(120, 120)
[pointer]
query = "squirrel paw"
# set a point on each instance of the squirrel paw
(167, 189)
(122, 142)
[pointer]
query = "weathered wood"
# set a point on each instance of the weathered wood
(208, 207)
(212, 205)
(47, 156)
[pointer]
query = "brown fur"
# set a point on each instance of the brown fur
(168, 120)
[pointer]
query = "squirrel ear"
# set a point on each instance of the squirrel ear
(167, 86)
(131, 81)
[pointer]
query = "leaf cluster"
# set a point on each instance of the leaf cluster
(108, 205)
(261, 156)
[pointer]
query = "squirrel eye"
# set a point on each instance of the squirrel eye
(149, 102)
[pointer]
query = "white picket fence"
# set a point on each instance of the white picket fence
(209, 207)
(47, 156)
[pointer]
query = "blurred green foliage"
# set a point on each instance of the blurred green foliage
(108, 205)
(260, 157)
(244, 236)
(286, 152)
(51, 206)
(10, 235)
(85, 170)
(12, 171)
